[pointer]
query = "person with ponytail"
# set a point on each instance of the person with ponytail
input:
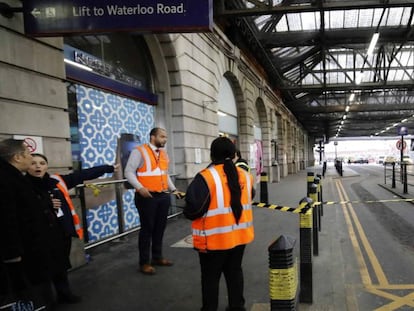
(218, 201)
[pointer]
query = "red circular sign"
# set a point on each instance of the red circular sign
(31, 144)
(401, 144)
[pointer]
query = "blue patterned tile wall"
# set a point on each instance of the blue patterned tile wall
(102, 118)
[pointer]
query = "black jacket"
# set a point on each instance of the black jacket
(23, 224)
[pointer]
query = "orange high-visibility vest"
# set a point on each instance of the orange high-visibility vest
(217, 229)
(64, 189)
(153, 175)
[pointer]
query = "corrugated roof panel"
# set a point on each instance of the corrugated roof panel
(282, 25)
(310, 21)
(376, 17)
(366, 17)
(294, 22)
(336, 19)
(406, 16)
(394, 17)
(261, 21)
(351, 19)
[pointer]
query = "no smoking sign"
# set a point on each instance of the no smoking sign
(34, 143)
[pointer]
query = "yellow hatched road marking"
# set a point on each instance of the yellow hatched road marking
(396, 301)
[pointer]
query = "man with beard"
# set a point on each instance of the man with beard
(147, 171)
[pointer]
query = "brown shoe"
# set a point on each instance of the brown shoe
(162, 262)
(147, 269)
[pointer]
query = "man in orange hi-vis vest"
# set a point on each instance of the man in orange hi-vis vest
(147, 171)
(218, 201)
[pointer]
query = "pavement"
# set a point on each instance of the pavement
(111, 280)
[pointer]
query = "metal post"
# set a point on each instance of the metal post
(283, 274)
(393, 175)
(84, 218)
(404, 169)
(320, 196)
(264, 197)
(317, 182)
(306, 283)
(119, 207)
(314, 197)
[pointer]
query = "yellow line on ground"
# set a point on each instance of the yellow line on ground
(382, 279)
(366, 279)
(397, 301)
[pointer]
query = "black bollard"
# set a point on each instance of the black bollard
(283, 274)
(315, 217)
(264, 196)
(306, 282)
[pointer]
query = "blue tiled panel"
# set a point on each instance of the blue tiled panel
(102, 118)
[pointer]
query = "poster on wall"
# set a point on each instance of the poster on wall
(259, 158)
(126, 143)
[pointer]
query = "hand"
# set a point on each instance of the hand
(56, 203)
(116, 167)
(144, 193)
(179, 194)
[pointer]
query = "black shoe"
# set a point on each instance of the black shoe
(69, 298)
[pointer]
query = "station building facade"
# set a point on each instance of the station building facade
(82, 99)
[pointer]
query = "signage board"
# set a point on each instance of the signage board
(34, 143)
(57, 18)
(402, 130)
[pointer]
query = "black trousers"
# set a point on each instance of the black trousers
(153, 214)
(213, 264)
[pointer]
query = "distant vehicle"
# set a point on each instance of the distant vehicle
(407, 160)
(390, 160)
(358, 161)
(381, 159)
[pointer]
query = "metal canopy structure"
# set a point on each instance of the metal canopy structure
(316, 54)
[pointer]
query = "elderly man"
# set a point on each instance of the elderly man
(24, 255)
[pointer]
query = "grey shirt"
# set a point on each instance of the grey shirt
(136, 161)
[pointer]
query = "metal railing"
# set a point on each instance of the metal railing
(118, 187)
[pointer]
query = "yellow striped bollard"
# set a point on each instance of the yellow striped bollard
(283, 274)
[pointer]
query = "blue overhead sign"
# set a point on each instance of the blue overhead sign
(57, 18)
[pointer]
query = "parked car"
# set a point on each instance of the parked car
(407, 160)
(389, 160)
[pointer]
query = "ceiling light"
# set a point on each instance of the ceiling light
(70, 62)
(344, 117)
(404, 120)
(373, 43)
(351, 97)
(347, 108)
(221, 114)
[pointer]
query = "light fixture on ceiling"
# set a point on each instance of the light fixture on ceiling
(221, 113)
(373, 43)
(351, 97)
(347, 108)
(84, 67)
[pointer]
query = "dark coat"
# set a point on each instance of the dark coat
(56, 236)
(23, 225)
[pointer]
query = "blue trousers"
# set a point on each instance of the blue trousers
(153, 214)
